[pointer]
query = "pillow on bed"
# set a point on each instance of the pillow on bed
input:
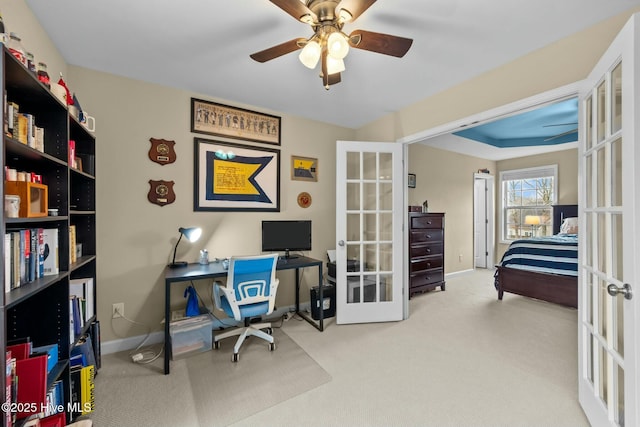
(569, 226)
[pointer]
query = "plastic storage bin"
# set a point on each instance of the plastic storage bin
(191, 335)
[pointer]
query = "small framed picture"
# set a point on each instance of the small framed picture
(412, 180)
(304, 168)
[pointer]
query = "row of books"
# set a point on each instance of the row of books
(81, 305)
(30, 254)
(29, 401)
(26, 382)
(84, 364)
(22, 127)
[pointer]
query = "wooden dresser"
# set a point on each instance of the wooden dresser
(426, 252)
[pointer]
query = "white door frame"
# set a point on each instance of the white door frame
(489, 227)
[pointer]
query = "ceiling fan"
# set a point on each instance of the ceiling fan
(569, 132)
(328, 44)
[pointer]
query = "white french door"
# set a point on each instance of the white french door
(370, 215)
(609, 312)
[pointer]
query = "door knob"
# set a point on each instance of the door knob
(625, 290)
(341, 243)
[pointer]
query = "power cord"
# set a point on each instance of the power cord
(139, 355)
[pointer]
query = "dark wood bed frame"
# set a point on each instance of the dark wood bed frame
(553, 288)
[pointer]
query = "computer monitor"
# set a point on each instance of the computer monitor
(287, 236)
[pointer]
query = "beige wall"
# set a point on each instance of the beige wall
(445, 180)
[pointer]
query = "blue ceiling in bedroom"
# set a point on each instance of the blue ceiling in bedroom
(549, 125)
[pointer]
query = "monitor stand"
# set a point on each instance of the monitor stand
(287, 255)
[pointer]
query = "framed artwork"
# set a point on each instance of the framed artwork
(235, 177)
(304, 168)
(412, 180)
(231, 122)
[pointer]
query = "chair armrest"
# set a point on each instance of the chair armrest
(229, 294)
(273, 293)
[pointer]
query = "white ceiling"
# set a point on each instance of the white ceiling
(204, 47)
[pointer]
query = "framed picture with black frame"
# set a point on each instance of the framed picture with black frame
(232, 122)
(235, 177)
(411, 180)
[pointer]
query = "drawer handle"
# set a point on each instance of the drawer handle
(429, 222)
(428, 264)
(428, 236)
(428, 251)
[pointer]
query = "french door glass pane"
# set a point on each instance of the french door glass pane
(616, 172)
(603, 310)
(602, 117)
(370, 257)
(386, 287)
(353, 227)
(386, 226)
(590, 278)
(386, 165)
(353, 165)
(600, 178)
(370, 227)
(618, 239)
(386, 196)
(386, 257)
(619, 412)
(370, 168)
(370, 196)
(589, 188)
(601, 243)
(616, 99)
(603, 391)
(588, 247)
(353, 196)
(589, 126)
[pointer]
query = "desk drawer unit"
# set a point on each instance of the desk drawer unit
(426, 251)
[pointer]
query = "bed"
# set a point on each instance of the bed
(543, 268)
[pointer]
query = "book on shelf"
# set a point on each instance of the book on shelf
(87, 378)
(72, 243)
(94, 331)
(24, 257)
(32, 388)
(83, 288)
(7, 262)
(50, 251)
(76, 391)
(10, 366)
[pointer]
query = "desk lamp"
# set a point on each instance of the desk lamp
(192, 234)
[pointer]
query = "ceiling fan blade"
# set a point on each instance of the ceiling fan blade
(380, 43)
(334, 79)
(569, 132)
(355, 7)
(295, 8)
(279, 50)
(560, 124)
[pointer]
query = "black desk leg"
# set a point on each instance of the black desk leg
(167, 304)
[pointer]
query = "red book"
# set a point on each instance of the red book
(55, 420)
(20, 351)
(32, 385)
(72, 153)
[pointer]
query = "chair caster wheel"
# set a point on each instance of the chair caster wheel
(216, 345)
(235, 357)
(272, 346)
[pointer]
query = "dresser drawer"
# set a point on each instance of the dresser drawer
(426, 263)
(418, 236)
(428, 277)
(426, 221)
(426, 249)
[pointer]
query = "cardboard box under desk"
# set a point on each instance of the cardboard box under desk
(34, 197)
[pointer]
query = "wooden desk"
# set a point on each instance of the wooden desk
(215, 270)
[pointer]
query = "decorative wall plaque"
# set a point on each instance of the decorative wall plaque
(162, 151)
(161, 192)
(304, 199)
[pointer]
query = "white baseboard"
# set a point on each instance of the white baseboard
(130, 343)
(458, 273)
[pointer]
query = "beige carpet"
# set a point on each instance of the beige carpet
(205, 389)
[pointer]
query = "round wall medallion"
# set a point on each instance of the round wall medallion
(304, 199)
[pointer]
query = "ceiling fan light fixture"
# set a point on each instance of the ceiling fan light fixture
(334, 65)
(337, 45)
(310, 54)
(344, 16)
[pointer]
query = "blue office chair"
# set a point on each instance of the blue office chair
(250, 292)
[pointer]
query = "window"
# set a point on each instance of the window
(527, 196)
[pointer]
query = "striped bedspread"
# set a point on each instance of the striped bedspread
(553, 254)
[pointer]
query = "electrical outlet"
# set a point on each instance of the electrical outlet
(117, 310)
